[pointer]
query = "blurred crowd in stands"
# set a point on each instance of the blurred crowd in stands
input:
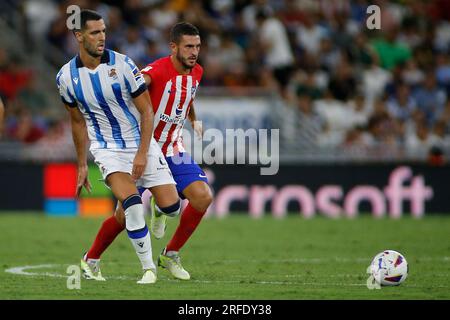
(344, 85)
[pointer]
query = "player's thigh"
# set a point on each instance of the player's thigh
(121, 184)
(157, 172)
(165, 195)
(198, 191)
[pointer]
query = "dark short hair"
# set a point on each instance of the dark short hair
(182, 29)
(86, 15)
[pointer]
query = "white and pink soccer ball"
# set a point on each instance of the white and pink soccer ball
(389, 268)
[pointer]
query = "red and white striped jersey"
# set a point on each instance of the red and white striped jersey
(172, 95)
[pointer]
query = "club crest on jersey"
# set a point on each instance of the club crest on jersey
(112, 74)
(179, 109)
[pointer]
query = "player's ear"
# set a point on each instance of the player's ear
(78, 35)
(173, 46)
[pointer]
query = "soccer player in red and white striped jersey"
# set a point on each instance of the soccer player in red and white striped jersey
(173, 82)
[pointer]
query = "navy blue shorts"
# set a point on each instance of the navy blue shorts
(185, 171)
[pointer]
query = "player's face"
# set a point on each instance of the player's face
(93, 37)
(187, 50)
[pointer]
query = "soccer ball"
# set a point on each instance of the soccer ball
(389, 268)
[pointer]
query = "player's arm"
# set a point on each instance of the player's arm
(147, 79)
(144, 106)
(196, 125)
(80, 140)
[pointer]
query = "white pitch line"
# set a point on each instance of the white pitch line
(21, 271)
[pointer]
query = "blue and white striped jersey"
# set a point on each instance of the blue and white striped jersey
(105, 98)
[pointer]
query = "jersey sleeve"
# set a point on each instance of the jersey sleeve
(151, 70)
(66, 97)
(134, 80)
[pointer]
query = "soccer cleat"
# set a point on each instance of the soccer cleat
(91, 269)
(157, 223)
(148, 277)
(172, 263)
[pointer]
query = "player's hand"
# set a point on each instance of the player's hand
(198, 128)
(83, 180)
(139, 164)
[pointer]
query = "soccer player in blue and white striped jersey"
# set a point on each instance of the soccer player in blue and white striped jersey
(109, 105)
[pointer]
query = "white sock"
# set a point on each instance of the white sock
(139, 235)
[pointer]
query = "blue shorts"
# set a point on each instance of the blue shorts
(184, 170)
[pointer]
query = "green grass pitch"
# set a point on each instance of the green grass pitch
(233, 258)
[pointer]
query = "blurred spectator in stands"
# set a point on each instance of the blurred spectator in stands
(24, 129)
(115, 29)
(374, 80)
(412, 75)
(439, 135)
(443, 71)
(306, 84)
(421, 140)
(335, 112)
(250, 11)
(310, 33)
(430, 98)
(57, 137)
(360, 109)
(402, 105)
(310, 123)
(436, 156)
(163, 16)
(231, 55)
(152, 53)
(34, 99)
(39, 15)
(328, 55)
(391, 52)
(382, 129)
(360, 52)
(342, 83)
(134, 45)
(277, 51)
(13, 77)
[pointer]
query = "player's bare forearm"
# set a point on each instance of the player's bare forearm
(80, 140)
(79, 135)
(191, 115)
(196, 125)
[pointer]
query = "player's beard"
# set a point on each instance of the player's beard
(184, 62)
(92, 50)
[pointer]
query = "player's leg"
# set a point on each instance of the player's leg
(192, 185)
(199, 196)
(124, 189)
(164, 202)
(199, 193)
(108, 231)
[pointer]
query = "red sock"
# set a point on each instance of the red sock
(107, 233)
(190, 218)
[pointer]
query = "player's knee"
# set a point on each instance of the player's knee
(172, 210)
(202, 200)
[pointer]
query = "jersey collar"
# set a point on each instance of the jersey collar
(104, 59)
